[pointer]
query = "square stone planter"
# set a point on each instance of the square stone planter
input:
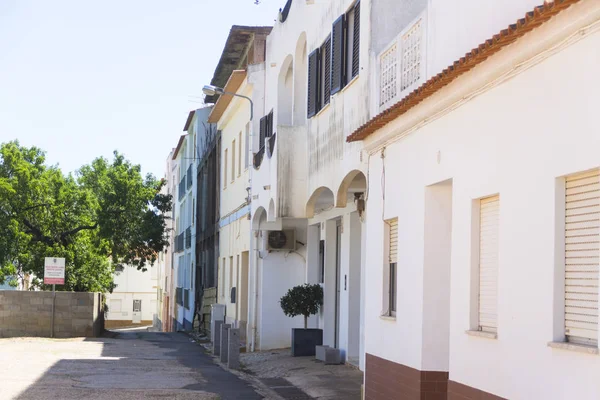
(305, 341)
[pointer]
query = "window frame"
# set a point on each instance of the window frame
(233, 161)
(225, 162)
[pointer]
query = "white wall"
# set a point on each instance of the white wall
(279, 271)
(133, 284)
(515, 139)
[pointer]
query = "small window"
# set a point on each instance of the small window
(115, 306)
(489, 219)
(582, 236)
(391, 273)
(240, 154)
(137, 305)
(233, 160)
(225, 162)
(247, 146)
(322, 261)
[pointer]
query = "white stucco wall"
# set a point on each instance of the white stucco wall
(134, 284)
(234, 236)
(517, 139)
(279, 271)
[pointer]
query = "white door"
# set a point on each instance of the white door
(137, 312)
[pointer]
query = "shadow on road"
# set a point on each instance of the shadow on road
(132, 365)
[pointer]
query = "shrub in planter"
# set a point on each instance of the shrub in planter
(304, 300)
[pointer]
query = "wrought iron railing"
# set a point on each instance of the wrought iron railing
(190, 177)
(182, 188)
(186, 298)
(179, 296)
(188, 238)
(258, 157)
(179, 242)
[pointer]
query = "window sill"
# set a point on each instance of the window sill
(487, 335)
(388, 318)
(349, 83)
(579, 348)
(325, 107)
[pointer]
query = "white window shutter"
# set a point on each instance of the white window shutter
(393, 241)
(488, 263)
(582, 252)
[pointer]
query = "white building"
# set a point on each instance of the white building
(133, 301)
(165, 290)
(483, 202)
(184, 214)
(309, 185)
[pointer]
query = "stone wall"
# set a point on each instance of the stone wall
(25, 313)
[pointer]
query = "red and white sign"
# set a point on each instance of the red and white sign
(54, 271)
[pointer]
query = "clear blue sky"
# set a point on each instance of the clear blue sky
(83, 78)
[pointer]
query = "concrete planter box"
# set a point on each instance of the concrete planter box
(305, 341)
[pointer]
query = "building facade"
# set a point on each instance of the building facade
(309, 185)
(133, 301)
(483, 202)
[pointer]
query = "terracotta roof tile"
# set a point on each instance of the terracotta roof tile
(532, 20)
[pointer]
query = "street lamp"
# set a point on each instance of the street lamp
(211, 90)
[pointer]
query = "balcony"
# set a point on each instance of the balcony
(179, 296)
(258, 157)
(186, 298)
(190, 177)
(182, 188)
(179, 241)
(188, 238)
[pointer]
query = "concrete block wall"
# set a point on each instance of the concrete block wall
(24, 313)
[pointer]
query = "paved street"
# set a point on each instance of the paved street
(132, 365)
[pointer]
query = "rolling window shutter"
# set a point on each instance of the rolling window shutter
(313, 87)
(582, 252)
(488, 263)
(356, 41)
(393, 241)
(337, 55)
(263, 131)
(326, 54)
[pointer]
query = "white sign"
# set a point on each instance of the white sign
(54, 271)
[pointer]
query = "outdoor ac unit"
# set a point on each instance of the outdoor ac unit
(282, 240)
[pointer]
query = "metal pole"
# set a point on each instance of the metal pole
(53, 301)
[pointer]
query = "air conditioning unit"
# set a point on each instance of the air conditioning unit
(281, 240)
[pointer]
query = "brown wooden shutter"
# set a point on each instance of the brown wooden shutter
(356, 41)
(337, 55)
(326, 54)
(263, 131)
(313, 83)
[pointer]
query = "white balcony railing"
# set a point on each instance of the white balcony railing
(402, 63)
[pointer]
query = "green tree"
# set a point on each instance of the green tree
(105, 215)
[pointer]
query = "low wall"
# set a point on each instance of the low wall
(24, 313)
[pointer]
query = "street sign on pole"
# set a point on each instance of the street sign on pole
(54, 271)
(54, 274)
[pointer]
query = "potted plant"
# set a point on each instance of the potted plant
(304, 300)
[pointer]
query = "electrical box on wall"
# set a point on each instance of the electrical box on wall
(284, 240)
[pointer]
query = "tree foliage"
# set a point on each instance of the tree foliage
(302, 300)
(107, 214)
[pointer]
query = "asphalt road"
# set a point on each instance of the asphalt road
(132, 365)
